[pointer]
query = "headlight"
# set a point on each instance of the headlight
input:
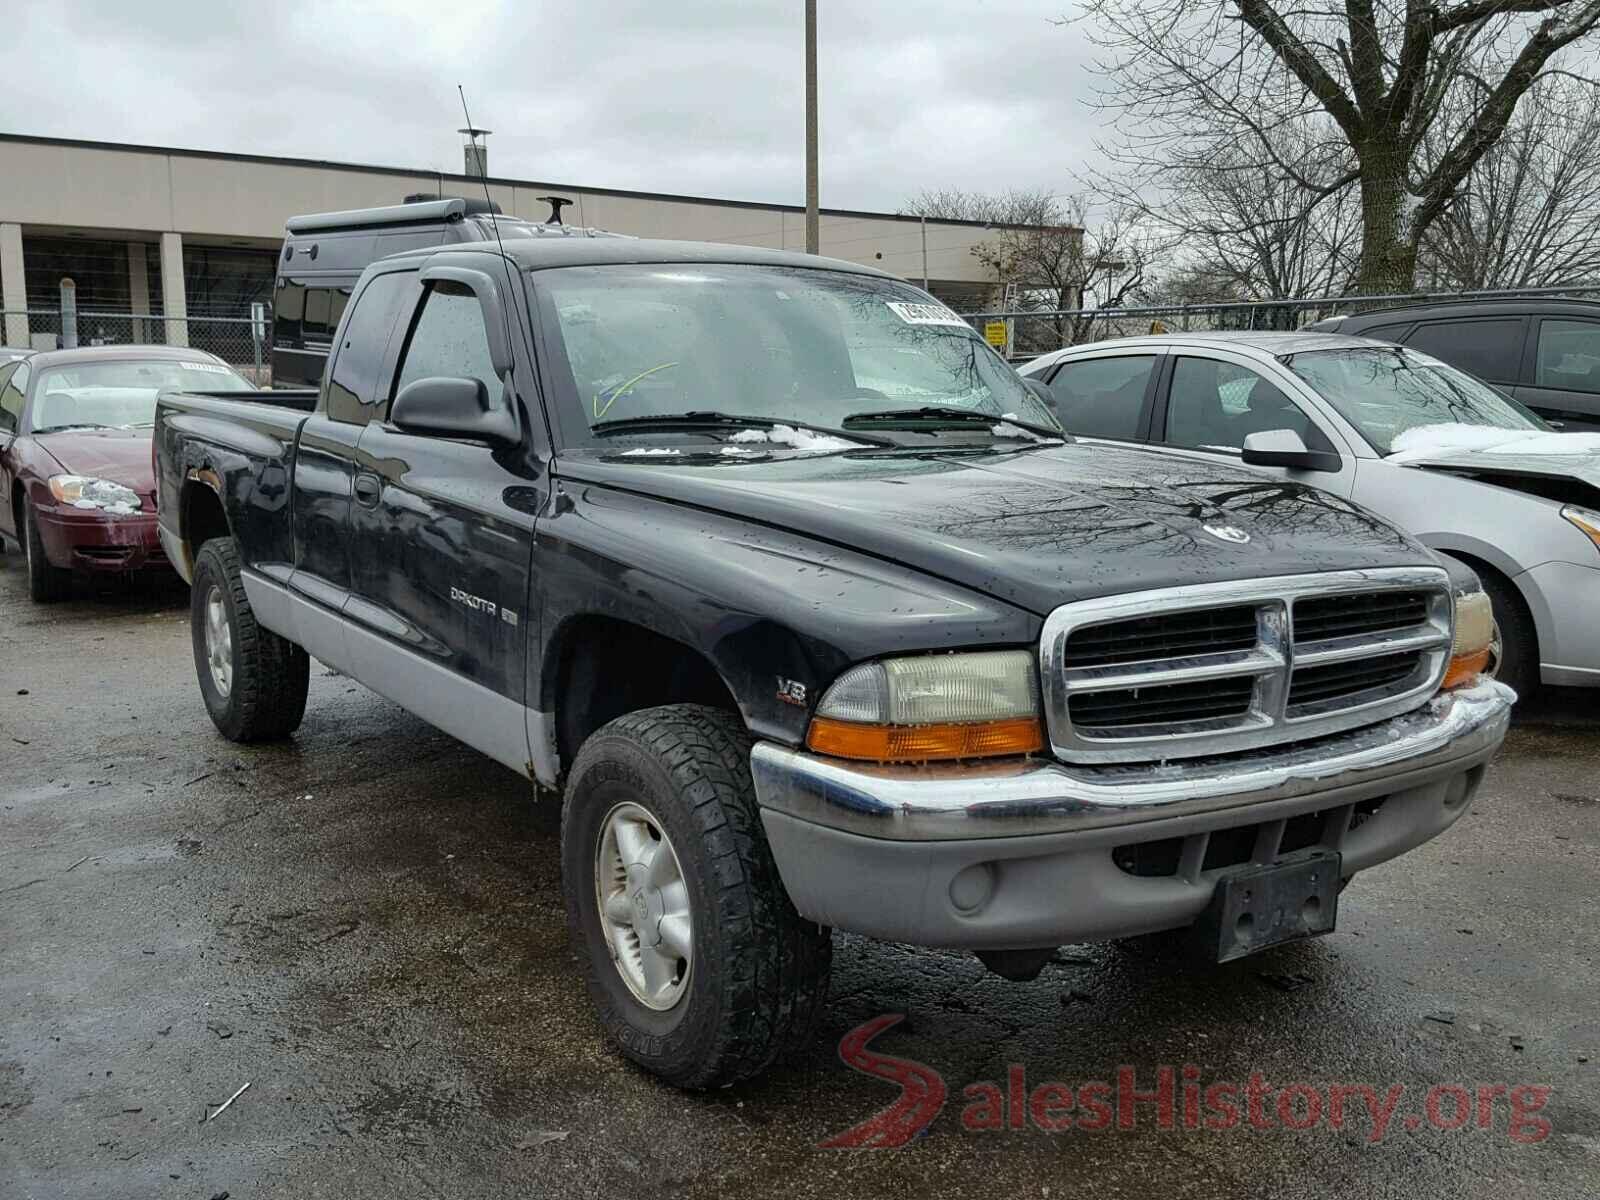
(941, 706)
(1586, 519)
(1474, 632)
(83, 492)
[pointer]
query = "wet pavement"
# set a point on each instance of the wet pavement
(364, 925)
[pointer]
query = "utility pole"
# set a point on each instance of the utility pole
(924, 217)
(813, 234)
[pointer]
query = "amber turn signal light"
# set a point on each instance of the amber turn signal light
(1464, 668)
(924, 743)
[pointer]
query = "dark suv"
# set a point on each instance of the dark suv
(1544, 352)
(324, 254)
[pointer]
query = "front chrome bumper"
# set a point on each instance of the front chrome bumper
(1022, 854)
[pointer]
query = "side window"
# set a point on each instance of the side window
(1214, 405)
(319, 308)
(448, 340)
(1103, 397)
(12, 393)
(353, 380)
(1386, 333)
(1487, 349)
(1569, 355)
(288, 309)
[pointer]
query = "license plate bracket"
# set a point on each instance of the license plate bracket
(1267, 904)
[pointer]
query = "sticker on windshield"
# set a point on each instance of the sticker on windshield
(924, 314)
(209, 368)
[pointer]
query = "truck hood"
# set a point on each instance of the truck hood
(120, 455)
(1553, 464)
(1036, 527)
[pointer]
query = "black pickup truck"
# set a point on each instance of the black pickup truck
(798, 602)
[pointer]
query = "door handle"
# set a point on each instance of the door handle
(368, 488)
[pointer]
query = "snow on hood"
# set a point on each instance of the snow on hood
(799, 439)
(1427, 441)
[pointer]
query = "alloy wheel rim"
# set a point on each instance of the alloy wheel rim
(644, 906)
(219, 642)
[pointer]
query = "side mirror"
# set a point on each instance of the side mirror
(452, 408)
(1286, 448)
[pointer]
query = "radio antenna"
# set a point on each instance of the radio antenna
(494, 223)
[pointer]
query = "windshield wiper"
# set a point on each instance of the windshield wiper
(74, 425)
(936, 417)
(721, 420)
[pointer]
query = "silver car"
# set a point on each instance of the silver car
(1469, 471)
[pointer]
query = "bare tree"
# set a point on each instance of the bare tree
(1252, 229)
(1526, 216)
(1052, 258)
(1400, 98)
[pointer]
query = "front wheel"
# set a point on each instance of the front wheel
(1514, 651)
(692, 951)
(45, 582)
(253, 681)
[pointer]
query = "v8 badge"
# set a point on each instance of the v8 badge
(791, 691)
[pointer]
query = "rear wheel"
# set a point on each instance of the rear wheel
(45, 582)
(253, 681)
(692, 951)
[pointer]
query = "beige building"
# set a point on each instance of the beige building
(190, 235)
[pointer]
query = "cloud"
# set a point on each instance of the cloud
(692, 97)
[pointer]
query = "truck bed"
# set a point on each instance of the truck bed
(241, 446)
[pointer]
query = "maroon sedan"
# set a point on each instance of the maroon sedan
(75, 455)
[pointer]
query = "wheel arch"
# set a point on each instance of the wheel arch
(201, 515)
(1537, 614)
(597, 667)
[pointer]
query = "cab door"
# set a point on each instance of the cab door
(1562, 372)
(324, 468)
(442, 529)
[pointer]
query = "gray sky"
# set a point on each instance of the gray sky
(660, 95)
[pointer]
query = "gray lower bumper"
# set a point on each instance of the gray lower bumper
(1027, 854)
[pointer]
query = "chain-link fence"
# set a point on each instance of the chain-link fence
(1022, 334)
(235, 340)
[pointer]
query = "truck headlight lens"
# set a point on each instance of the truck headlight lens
(1586, 519)
(81, 491)
(937, 706)
(1474, 632)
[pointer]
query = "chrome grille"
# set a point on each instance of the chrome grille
(1203, 700)
(1181, 672)
(1205, 630)
(1317, 617)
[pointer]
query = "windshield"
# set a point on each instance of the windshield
(121, 394)
(780, 343)
(1386, 391)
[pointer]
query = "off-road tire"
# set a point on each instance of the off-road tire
(46, 583)
(271, 675)
(759, 974)
(1519, 642)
